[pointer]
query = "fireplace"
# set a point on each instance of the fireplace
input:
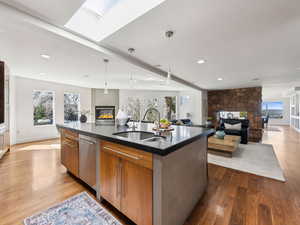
(105, 114)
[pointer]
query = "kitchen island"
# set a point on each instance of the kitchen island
(152, 178)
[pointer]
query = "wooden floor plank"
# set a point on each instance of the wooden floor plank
(238, 214)
(264, 215)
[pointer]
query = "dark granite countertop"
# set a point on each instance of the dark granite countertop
(179, 137)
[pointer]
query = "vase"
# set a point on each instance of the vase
(220, 134)
(83, 118)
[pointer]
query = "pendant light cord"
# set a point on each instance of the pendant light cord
(105, 82)
(169, 34)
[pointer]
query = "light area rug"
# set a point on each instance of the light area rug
(80, 209)
(255, 158)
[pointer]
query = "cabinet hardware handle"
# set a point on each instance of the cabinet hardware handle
(123, 190)
(87, 141)
(122, 153)
(69, 144)
(120, 180)
(70, 137)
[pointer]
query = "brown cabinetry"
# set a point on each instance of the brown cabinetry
(70, 151)
(126, 181)
(110, 178)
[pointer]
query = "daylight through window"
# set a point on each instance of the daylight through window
(272, 109)
(43, 108)
(71, 107)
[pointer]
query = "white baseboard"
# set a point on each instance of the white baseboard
(25, 140)
(2, 153)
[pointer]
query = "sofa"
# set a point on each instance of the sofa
(243, 132)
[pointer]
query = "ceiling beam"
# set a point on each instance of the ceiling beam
(142, 64)
(10, 11)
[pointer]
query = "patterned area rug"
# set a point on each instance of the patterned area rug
(80, 209)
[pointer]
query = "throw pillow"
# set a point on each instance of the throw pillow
(237, 126)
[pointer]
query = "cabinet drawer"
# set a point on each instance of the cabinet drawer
(69, 143)
(131, 154)
(65, 133)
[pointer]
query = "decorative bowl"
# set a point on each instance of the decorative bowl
(220, 134)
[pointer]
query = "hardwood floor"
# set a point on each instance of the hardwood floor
(237, 198)
(32, 179)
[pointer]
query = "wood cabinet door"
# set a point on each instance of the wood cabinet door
(63, 154)
(73, 158)
(70, 156)
(110, 178)
(136, 200)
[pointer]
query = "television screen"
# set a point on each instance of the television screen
(2, 97)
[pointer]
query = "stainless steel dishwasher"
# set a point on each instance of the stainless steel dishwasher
(87, 160)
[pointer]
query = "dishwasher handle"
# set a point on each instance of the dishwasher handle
(87, 141)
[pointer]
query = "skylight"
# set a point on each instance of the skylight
(97, 19)
(100, 7)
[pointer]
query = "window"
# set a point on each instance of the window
(273, 109)
(71, 107)
(43, 108)
(100, 7)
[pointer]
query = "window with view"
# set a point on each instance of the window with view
(71, 107)
(272, 109)
(43, 107)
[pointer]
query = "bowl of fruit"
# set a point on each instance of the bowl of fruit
(165, 123)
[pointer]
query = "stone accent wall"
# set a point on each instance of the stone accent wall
(241, 99)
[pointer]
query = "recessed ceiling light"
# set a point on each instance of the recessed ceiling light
(201, 61)
(220, 78)
(45, 56)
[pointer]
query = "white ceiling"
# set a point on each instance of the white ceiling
(240, 40)
(21, 45)
(55, 11)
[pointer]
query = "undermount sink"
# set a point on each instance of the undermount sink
(155, 139)
(135, 135)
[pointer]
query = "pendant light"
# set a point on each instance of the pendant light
(169, 34)
(131, 80)
(105, 83)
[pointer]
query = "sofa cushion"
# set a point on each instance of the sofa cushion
(245, 122)
(237, 126)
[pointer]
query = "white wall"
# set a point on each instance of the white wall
(193, 105)
(21, 91)
(286, 111)
(12, 110)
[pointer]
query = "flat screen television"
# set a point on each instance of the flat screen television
(2, 93)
